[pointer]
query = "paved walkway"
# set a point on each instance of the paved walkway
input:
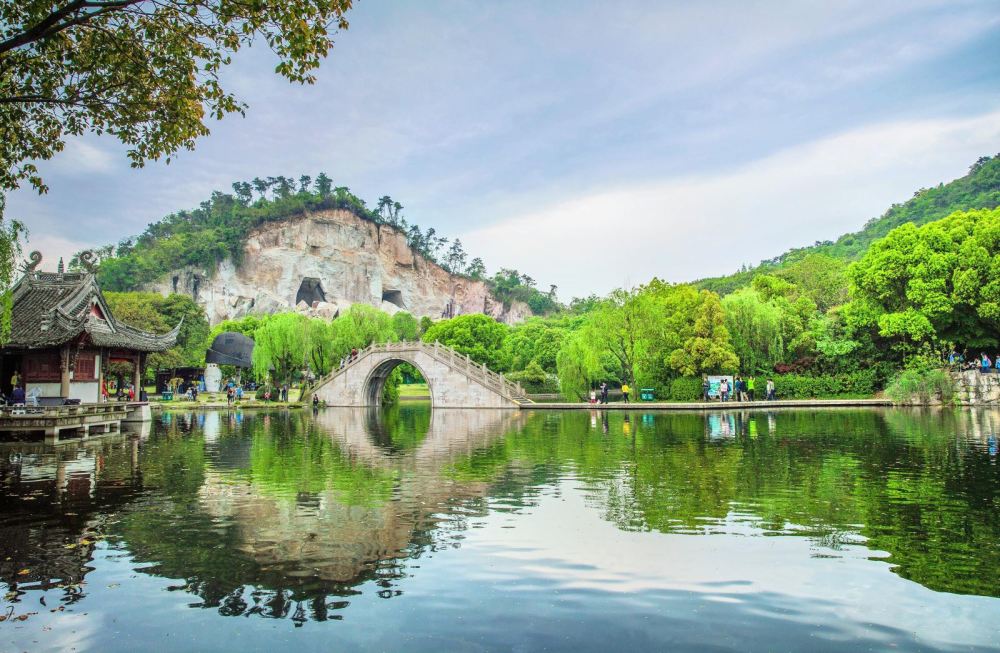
(714, 405)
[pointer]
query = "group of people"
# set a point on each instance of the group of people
(234, 393)
(741, 389)
(353, 356)
(124, 392)
(600, 395)
(983, 362)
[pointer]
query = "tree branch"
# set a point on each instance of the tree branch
(56, 21)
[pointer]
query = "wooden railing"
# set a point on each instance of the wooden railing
(460, 363)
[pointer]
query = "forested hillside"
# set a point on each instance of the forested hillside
(979, 189)
(219, 227)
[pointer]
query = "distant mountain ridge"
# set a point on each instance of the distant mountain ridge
(978, 189)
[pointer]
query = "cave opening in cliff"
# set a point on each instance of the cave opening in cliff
(310, 290)
(393, 297)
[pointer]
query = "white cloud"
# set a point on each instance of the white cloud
(685, 228)
(82, 156)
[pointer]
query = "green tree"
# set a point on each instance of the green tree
(281, 346)
(708, 350)
(579, 366)
(147, 73)
(537, 340)
(755, 330)
(478, 336)
(10, 249)
(359, 326)
(158, 314)
(406, 326)
(937, 282)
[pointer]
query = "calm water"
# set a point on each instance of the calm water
(480, 530)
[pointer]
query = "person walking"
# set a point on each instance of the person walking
(986, 363)
(625, 391)
(770, 390)
(706, 388)
(724, 389)
(751, 386)
(604, 392)
(230, 395)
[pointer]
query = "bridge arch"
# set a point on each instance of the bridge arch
(375, 382)
(455, 381)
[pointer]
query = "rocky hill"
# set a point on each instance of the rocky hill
(315, 248)
(320, 263)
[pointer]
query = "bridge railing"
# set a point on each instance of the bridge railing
(458, 362)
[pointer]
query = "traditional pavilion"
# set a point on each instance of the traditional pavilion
(63, 335)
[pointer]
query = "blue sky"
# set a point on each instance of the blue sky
(591, 145)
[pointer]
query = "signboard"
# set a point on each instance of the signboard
(713, 386)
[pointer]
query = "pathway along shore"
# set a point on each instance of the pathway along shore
(711, 405)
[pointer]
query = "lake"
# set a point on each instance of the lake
(454, 530)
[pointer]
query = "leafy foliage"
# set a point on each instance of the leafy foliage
(148, 73)
(938, 282)
(478, 336)
(979, 189)
(158, 314)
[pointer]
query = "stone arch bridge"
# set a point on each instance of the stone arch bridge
(454, 380)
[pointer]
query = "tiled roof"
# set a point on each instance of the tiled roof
(50, 309)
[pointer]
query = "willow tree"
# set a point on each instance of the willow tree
(148, 72)
(281, 346)
(755, 330)
(359, 326)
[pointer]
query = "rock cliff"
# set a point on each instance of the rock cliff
(973, 388)
(321, 263)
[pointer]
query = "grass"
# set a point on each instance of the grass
(414, 391)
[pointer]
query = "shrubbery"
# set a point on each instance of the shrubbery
(921, 386)
(685, 388)
(798, 386)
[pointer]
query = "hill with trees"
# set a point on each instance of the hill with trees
(219, 227)
(979, 189)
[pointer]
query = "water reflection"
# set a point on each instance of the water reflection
(293, 515)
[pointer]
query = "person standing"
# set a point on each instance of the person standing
(724, 389)
(751, 386)
(625, 391)
(706, 387)
(604, 392)
(770, 390)
(986, 363)
(17, 396)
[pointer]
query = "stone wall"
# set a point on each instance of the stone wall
(321, 263)
(973, 388)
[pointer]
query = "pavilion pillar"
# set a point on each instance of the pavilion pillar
(65, 369)
(101, 380)
(137, 375)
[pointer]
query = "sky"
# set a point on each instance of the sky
(591, 145)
